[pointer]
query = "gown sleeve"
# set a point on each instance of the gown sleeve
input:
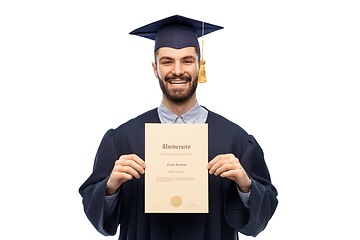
(263, 201)
(93, 190)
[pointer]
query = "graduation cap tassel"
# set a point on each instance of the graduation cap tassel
(202, 74)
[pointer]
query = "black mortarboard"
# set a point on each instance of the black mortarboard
(175, 32)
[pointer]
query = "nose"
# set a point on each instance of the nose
(177, 70)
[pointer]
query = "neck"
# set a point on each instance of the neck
(180, 108)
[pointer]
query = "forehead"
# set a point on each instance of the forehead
(176, 53)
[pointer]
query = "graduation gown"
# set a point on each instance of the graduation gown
(227, 214)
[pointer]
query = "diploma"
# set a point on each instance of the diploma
(176, 176)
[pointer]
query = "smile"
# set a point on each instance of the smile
(178, 82)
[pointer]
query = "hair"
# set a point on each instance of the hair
(197, 50)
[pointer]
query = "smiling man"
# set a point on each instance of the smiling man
(241, 195)
(177, 71)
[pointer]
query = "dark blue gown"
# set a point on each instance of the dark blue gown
(227, 214)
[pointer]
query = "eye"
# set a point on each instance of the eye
(188, 61)
(166, 62)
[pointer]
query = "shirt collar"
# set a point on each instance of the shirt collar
(197, 114)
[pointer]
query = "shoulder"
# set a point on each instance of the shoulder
(226, 136)
(150, 116)
(136, 124)
(129, 136)
(224, 124)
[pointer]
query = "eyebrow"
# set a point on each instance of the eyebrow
(190, 56)
(169, 58)
(166, 58)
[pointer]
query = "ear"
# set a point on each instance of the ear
(155, 69)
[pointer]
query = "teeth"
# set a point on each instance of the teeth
(177, 82)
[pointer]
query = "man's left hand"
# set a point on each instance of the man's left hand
(227, 165)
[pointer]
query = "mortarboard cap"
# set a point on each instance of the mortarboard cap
(178, 32)
(175, 32)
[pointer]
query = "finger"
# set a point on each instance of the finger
(231, 174)
(127, 170)
(227, 168)
(214, 161)
(135, 158)
(132, 162)
(218, 158)
(223, 163)
(215, 167)
(123, 176)
(134, 165)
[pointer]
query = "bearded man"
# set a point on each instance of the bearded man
(241, 195)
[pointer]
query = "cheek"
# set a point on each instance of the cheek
(194, 72)
(162, 73)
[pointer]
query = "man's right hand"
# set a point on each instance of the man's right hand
(125, 169)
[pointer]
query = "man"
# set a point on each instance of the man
(241, 196)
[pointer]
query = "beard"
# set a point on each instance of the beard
(178, 95)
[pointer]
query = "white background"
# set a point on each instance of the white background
(286, 71)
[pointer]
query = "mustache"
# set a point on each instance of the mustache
(174, 77)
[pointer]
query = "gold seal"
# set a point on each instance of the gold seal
(176, 201)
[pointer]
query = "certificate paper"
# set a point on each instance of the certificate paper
(176, 176)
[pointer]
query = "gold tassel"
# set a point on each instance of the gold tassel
(202, 74)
